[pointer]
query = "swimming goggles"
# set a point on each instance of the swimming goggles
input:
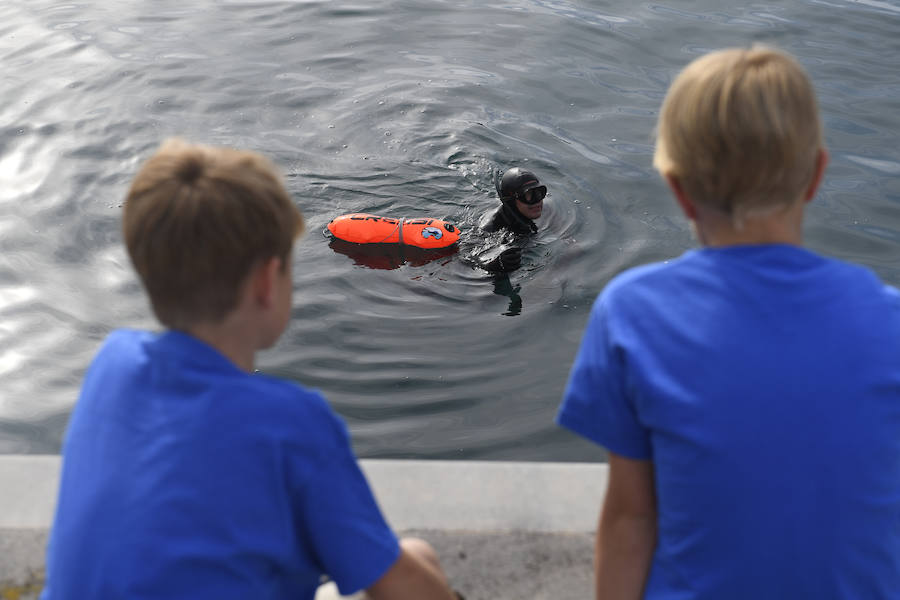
(532, 196)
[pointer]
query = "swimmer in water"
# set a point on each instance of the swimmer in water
(521, 202)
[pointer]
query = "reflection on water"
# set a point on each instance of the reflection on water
(388, 256)
(398, 108)
(504, 287)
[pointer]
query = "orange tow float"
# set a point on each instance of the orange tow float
(363, 228)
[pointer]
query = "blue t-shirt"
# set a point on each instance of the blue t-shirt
(185, 477)
(764, 384)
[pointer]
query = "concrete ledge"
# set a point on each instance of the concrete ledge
(28, 487)
(502, 529)
(488, 496)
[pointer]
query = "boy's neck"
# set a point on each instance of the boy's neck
(780, 227)
(229, 341)
(258, 319)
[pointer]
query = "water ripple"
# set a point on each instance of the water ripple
(403, 109)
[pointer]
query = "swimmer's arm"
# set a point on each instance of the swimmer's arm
(626, 534)
(507, 261)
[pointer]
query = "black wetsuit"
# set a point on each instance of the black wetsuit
(507, 217)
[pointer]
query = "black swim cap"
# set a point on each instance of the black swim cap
(516, 182)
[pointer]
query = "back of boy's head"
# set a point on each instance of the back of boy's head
(740, 130)
(197, 219)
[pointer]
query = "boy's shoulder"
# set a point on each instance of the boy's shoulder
(720, 270)
(184, 385)
(177, 365)
(630, 282)
(125, 341)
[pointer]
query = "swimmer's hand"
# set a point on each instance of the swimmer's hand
(508, 261)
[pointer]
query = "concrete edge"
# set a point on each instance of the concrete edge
(488, 496)
(414, 494)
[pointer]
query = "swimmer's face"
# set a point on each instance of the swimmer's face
(530, 211)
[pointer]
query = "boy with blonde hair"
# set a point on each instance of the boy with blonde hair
(187, 475)
(747, 392)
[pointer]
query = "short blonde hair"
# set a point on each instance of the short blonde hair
(196, 220)
(740, 130)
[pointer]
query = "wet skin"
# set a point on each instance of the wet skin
(529, 211)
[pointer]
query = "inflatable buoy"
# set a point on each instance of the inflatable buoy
(362, 228)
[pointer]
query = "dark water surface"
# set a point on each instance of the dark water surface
(398, 108)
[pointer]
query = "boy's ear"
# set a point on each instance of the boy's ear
(818, 172)
(687, 206)
(264, 279)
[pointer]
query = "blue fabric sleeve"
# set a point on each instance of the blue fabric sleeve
(596, 403)
(350, 537)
